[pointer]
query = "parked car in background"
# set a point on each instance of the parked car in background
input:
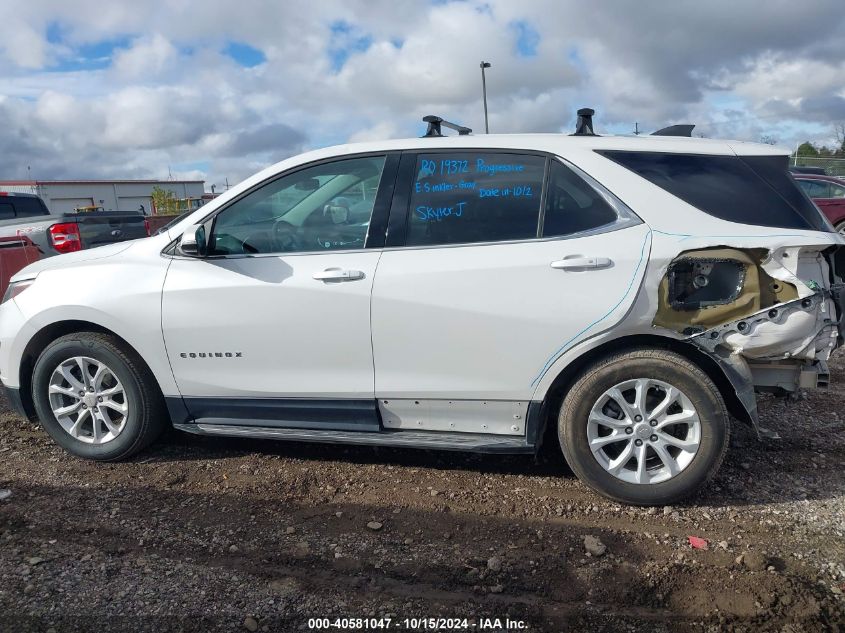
(464, 293)
(29, 232)
(53, 234)
(828, 192)
(799, 169)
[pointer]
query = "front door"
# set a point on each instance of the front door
(273, 327)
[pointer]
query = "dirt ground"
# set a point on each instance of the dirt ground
(201, 534)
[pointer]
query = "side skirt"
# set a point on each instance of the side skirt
(470, 442)
(346, 422)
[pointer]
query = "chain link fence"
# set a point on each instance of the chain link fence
(831, 166)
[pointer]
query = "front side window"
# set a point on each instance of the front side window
(837, 191)
(469, 197)
(321, 208)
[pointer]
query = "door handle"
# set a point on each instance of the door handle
(581, 263)
(338, 274)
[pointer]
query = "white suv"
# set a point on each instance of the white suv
(460, 292)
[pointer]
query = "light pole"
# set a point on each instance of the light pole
(484, 93)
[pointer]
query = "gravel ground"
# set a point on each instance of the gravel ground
(200, 534)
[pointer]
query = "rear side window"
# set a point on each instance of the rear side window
(750, 189)
(469, 197)
(7, 211)
(573, 206)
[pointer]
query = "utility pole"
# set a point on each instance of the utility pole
(484, 94)
(636, 128)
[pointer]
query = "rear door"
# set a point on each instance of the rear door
(479, 292)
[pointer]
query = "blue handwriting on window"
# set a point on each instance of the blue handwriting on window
(436, 214)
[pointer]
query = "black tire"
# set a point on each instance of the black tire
(840, 228)
(656, 364)
(147, 414)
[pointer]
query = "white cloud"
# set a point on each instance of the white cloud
(22, 44)
(168, 94)
(148, 57)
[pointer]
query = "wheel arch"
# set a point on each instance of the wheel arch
(49, 333)
(559, 387)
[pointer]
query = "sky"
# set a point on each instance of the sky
(216, 89)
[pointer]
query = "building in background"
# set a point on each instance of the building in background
(65, 196)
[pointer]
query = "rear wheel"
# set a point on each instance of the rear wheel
(644, 427)
(96, 398)
(840, 228)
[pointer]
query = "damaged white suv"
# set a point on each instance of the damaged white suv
(461, 292)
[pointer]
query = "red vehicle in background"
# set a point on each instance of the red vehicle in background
(828, 192)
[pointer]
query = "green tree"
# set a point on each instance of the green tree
(165, 201)
(807, 149)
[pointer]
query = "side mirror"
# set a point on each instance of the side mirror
(194, 242)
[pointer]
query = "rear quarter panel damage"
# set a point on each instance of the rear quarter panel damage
(794, 261)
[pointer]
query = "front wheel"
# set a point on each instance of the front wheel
(96, 398)
(644, 427)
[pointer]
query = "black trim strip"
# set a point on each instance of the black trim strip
(292, 413)
(401, 200)
(177, 410)
(18, 405)
(535, 424)
(381, 209)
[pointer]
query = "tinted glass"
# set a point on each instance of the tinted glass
(814, 188)
(837, 191)
(774, 170)
(28, 207)
(572, 205)
(471, 197)
(751, 190)
(321, 208)
(7, 211)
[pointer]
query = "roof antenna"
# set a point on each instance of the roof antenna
(682, 129)
(584, 127)
(434, 123)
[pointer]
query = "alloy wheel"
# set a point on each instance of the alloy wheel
(88, 400)
(644, 431)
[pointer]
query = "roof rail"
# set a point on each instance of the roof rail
(434, 123)
(682, 129)
(584, 126)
